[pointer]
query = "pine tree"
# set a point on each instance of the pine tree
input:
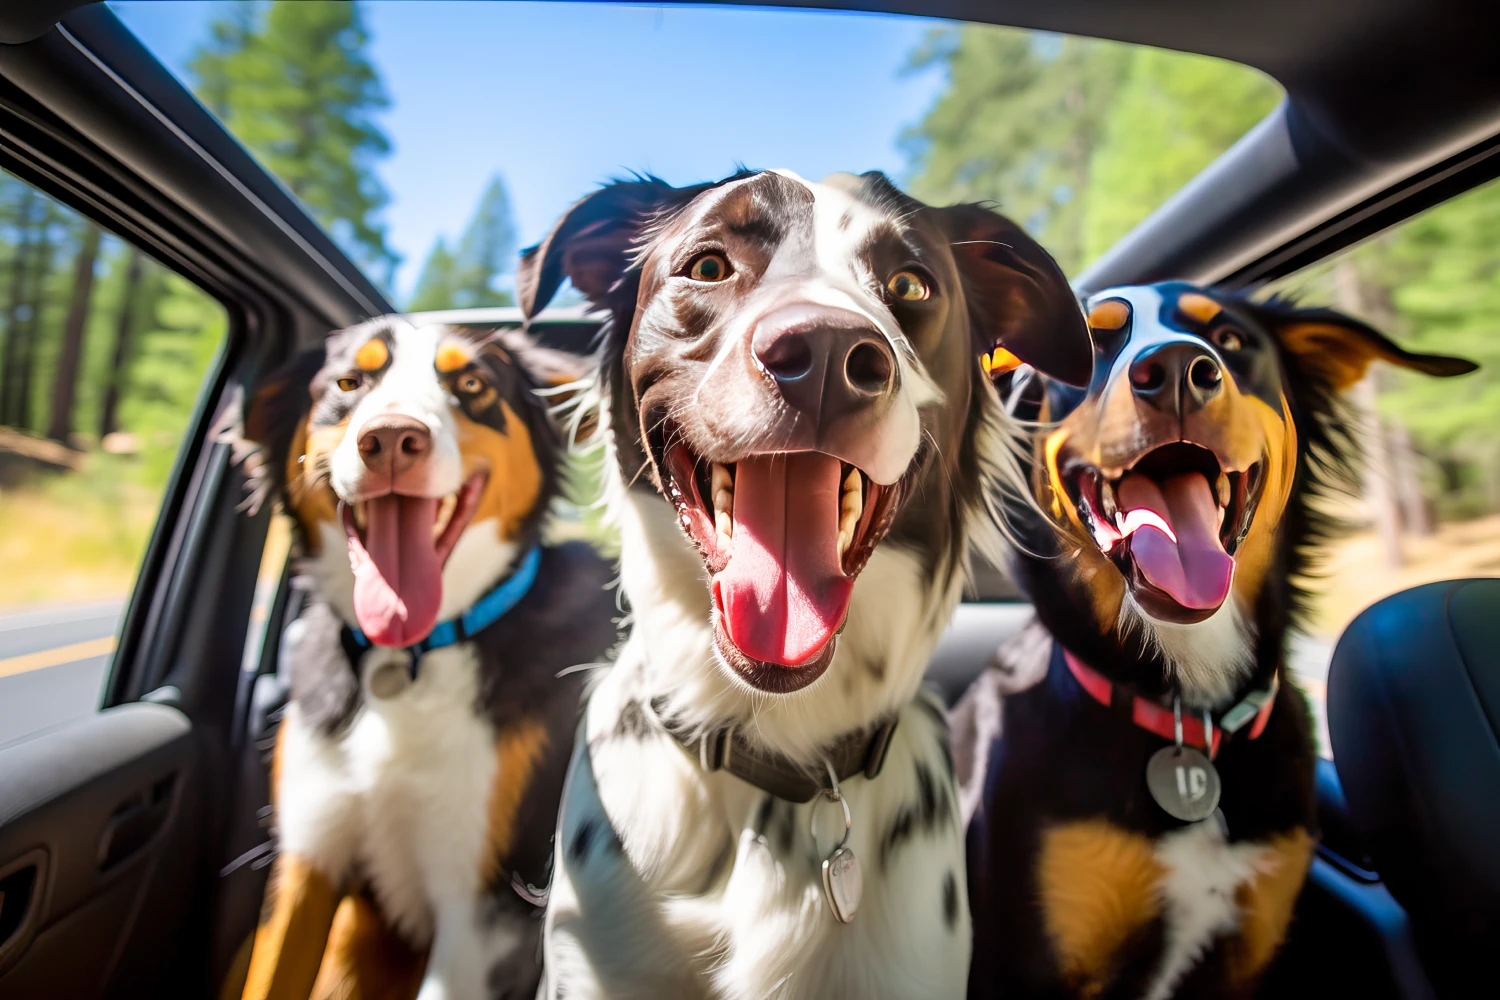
(486, 251)
(293, 81)
(70, 352)
(435, 284)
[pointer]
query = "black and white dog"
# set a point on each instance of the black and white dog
(802, 441)
(418, 769)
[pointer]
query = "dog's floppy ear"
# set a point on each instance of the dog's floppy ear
(590, 245)
(558, 376)
(260, 443)
(1339, 349)
(1020, 305)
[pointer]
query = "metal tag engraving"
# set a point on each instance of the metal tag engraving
(842, 883)
(1184, 783)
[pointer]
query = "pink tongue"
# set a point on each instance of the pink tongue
(398, 578)
(1194, 571)
(783, 593)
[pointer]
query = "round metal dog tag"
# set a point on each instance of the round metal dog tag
(1184, 783)
(842, 883)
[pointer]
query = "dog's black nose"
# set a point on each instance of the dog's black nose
(1176, 378)
(825, 361)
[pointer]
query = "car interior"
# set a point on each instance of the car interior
(133, 845)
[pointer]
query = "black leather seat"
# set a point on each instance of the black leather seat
(1414, 716)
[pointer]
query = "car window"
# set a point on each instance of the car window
(416, 147)
(102, 354)
(1430, 507)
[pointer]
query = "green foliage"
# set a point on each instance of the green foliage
(486, 252)
(294, 83)
(1076, 139)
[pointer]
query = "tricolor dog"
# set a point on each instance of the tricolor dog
(418, 768)
(801, 442)
(1138, 765)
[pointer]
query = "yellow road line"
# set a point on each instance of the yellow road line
(57, 656)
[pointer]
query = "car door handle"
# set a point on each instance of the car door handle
(134, 822)
(17, 892)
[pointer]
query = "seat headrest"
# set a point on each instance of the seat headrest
(1414, 717)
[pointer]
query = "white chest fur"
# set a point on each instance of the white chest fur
(669, 881)
(400, 796)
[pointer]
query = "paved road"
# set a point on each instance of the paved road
(53, 663)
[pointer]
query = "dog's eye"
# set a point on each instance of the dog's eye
(908, 286)
(349, 383)
(470, 384)
(1227, 338)
(710, 266)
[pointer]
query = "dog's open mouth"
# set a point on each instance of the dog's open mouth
(783, 537)
(1171, 523)
(398, 546)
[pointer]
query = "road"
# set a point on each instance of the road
(53, 663)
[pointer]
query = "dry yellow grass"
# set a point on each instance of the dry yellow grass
(1356, 573)
(66, 544)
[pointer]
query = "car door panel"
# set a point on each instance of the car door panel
(92, 821)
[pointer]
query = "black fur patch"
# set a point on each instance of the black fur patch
(950, 900)
(583, 839)
(926, 815)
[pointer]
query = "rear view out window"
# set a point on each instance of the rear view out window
(102, 354)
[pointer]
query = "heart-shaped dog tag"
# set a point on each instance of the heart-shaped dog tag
(842, 883)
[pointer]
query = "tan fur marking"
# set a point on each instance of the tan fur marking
(1110, 315)
(366, 959)
(372, 355)
(1098, 885)
(1266, 903)
(312, 504)
(516, 754)
(1198, 307)
(451, 356)
(515, 476)
(1253, 558)
(294, 928)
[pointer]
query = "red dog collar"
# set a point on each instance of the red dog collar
(1154, 718)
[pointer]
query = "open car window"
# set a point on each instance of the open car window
(1430, 506)
(103, 354)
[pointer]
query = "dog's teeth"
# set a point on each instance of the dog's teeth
(1107, 502)
(721, 479)
(361, 515)
(1222, 512)
(1223, 490)
(851, 506)
(844, 539)
(721, 485)
(444, 515)
(725, 525)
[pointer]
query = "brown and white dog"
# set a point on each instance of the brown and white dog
(800, 448)
(419, 765)
(1181, 494)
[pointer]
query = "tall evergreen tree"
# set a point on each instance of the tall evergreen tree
(70, 351)
(294, 82)
(486, 253)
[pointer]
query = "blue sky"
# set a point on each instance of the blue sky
(559, 97)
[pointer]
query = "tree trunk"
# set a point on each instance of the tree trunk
(32, 300)
(109, 409)
(1379, 495)
(70, 355)
(1416, 518)
(10, 370)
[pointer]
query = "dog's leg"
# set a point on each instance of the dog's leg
(289, 943)
(365, 958)
(482, 949)
(1266, 903)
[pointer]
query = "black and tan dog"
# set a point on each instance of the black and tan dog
(1138, 767)
(418, 768)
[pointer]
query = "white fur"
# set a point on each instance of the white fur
(400, 799)
(1210, 659)
(1203, 870)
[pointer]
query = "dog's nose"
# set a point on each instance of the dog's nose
(1176, 378)
(825, 361)
(392, 443)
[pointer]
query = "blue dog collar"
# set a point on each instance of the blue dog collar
(485, 612)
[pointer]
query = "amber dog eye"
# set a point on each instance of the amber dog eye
(908, 286)
(349, 383)
(470, 384)
(1228, 338)
(709, 267)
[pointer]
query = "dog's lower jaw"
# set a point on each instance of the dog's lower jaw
(895, 620)
(1209, 661)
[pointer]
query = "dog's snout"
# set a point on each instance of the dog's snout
(824, 361)
(1176, 378)
(391, 444)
